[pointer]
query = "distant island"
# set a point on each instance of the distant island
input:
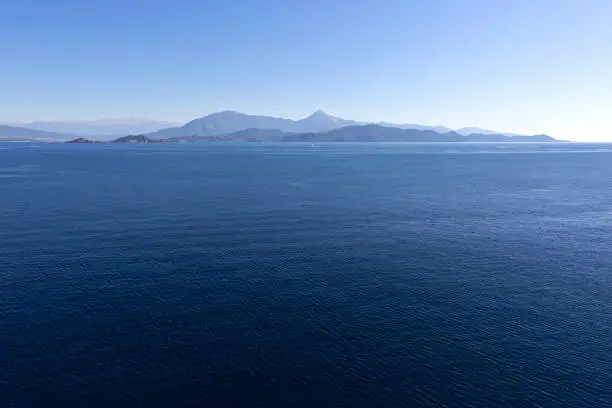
(124, 139)
(231, 126)
(82, 140)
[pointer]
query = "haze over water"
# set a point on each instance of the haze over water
(335, 275)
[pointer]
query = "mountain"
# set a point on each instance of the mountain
(25, 134)
(439, 129)
(466, 131)
(222, 123)
(102, 128)
(470, 130)
(320, 121)
(225, 122)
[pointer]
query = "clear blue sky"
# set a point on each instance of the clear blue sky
(531, 66)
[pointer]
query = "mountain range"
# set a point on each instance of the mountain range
(227, 122)
(232, 125)
(466, 131)
(101, 128)
(355, 133)
(17, 134)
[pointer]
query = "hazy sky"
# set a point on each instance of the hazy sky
(528, 66)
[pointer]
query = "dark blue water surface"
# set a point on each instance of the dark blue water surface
(254, 275)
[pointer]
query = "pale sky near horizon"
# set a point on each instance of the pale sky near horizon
(524, 66)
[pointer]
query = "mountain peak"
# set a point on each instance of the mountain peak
(225, 113)
(319, 113)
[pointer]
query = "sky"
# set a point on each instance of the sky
(524, 66)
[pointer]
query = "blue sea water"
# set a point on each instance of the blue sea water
(290, 275)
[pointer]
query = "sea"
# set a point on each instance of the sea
(306, 275)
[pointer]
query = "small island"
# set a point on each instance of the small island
(135, 139)
(81, 140)
(125, 139)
